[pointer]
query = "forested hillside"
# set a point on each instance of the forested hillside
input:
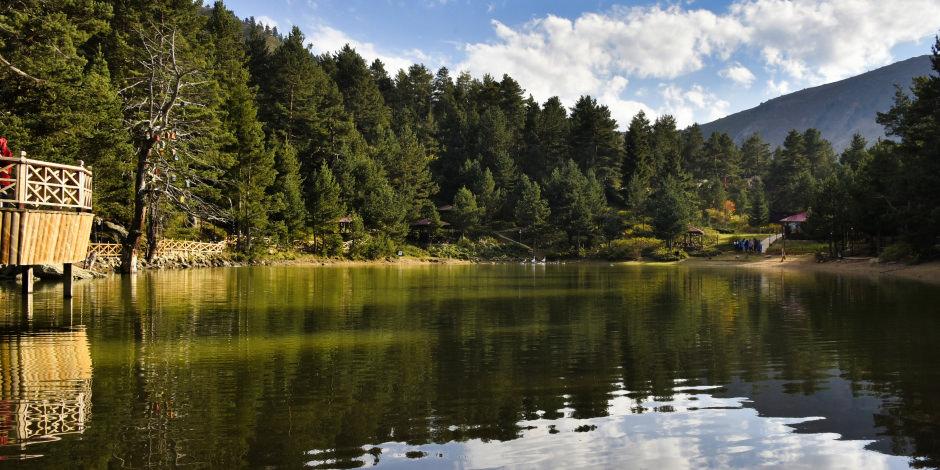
(198, 124)
(839, 109)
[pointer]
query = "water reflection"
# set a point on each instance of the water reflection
(487, 366)
(45, 384)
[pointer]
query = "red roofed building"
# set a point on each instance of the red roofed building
(792, 224)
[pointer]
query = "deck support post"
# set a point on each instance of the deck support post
(27, 280)
(67, 278)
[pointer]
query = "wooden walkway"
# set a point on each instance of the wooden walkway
(45, 215)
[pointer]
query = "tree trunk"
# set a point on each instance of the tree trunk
(152, 232)
(130, 246)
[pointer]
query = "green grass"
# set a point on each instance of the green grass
(798, 247)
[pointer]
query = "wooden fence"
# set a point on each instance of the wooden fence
(34, 184)
(165, 247)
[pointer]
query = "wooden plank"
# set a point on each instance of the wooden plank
(55, 226)
(15, 239)
(84, 236)
(35, 232)
(65, 237)
(41, 236)
(26, 240)
(2, 224)
(29, 252)
(5, 238)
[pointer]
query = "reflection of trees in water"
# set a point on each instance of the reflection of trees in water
(252, 367)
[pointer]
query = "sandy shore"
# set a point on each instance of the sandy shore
(925, 272)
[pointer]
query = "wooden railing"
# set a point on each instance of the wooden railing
(164, 247)
(34, 184)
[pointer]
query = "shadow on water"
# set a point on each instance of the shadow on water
(473, 367)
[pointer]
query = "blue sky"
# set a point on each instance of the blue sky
(695, 59)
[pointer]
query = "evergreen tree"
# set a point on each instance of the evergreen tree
(577, 203)
(408, 168)
(595, 143)
(326, 207)
(531, 211)
(546, 139)
(819, 152)
(916, 122)
(791, 180)
(288, 208)
(638, 165)
(755, 157)
(856, 154)
(361, 94)
(466, 211)
(759, 210)
(670, 209)
(253, 172)
(693, 152)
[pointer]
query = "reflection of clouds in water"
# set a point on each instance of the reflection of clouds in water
(702, 431)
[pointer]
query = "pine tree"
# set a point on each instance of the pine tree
(595, 142)
(361, 94)
(791, 181)
(671, 211)
(819, 152)
(531, 211)
(289, 208)
(466, 211)
(755, 157)
(759, 210)
(855, 155)
(577, 203)
(326, 207)
(253, 172)
(638, 166)
(916, 122)
(408, 168)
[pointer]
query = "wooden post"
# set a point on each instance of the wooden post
(21, 180)
(27, 280)
(67, 278)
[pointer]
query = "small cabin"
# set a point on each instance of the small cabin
(793, 224)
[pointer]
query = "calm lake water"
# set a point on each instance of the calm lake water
(574, 366)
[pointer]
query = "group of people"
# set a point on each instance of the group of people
(748, 245)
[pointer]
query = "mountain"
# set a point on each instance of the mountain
(837, 109)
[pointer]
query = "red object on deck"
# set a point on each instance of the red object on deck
(5, 174)
(4, 150)
(799, 217)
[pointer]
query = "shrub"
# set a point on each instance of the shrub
(632, 248)
(668, 254)
(372, 247)
(900, 251)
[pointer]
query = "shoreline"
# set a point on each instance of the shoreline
(925, 272)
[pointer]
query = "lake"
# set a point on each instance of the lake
(472, 366)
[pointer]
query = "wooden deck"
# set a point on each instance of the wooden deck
(45, 214)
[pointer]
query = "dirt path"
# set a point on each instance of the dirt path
(925, 272)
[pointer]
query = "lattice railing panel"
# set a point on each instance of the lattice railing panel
(166, 247)
(33, 183)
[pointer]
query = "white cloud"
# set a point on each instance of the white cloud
(266, 21)
(803, 42)
(817, 41)
(777, 88)
(739, 74)
(691, 104)
(327, 39)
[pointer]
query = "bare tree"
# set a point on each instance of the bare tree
(169, 103)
